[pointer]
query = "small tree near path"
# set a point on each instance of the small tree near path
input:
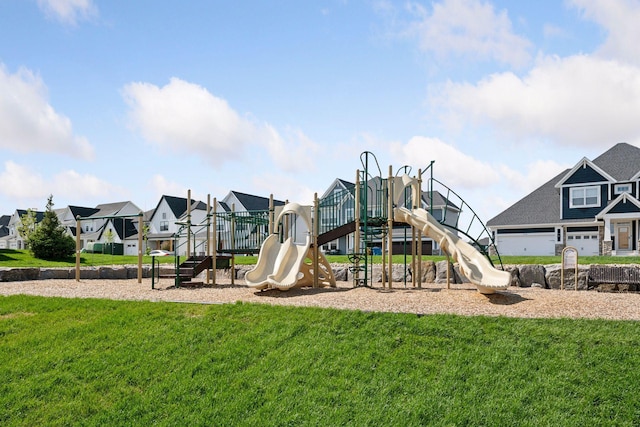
(50, 241)
(28, 224)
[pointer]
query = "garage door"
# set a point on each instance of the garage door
(585, 243)
(527, 244)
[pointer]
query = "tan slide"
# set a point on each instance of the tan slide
(475, 266)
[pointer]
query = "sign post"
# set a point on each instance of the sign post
(569, 260)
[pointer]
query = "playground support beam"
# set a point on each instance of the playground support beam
(390, 197)
(419, 202)
(140, 232)
(214, 240)
(316, 229)
(208, 235)
(78, 225)
(188, 224)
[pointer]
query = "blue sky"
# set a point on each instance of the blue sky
(104, 101)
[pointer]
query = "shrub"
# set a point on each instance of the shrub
(49, 240)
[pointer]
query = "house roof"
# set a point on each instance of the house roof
(128, 227)
(39, 214)
(4, 220)
(255, 203)
(542, 206)
(438, 200)
(82, 211)
(622, 161)
(107, 209)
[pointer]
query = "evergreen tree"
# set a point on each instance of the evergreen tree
(50, 241)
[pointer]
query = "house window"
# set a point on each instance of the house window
(622, 188)
(164, 215)
(584, 197)
(164, 225)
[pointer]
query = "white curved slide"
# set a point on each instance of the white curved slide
(279, 264)
(475, 266)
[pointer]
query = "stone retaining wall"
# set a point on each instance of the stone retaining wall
(530, 275)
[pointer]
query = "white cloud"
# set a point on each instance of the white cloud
(29, 124)
(69, 11)
(283, 187)
(20, 182)
(295, 152)
(469, 28)
(620, 19)
(534, 175)
(185, 117)
(162, 186)
(453, 167)
(579, 100)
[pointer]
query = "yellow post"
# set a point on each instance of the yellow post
(209, 235)
(390, 197)
(78, 230)
(419, 205)
(448, 272)
(413, 256)
(316, 229)
(214, 242)
(140, 233)
(188, 224)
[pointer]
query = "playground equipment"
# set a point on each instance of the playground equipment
(284, 263)
(372, 210)
(378, 206)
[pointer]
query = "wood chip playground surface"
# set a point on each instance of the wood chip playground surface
(430, 299)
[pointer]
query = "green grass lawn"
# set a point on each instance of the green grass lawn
(22, 258)
(98, 362)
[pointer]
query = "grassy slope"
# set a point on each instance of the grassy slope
(95, 362)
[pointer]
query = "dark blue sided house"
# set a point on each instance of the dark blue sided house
(593, 207)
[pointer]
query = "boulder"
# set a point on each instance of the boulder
(514, 272)
(113, 273)
(530, 274)
(57, 273)
(19, 274)
(89, 273)
(553, 277)
(459, 277)
(340, 273)
(441, 272)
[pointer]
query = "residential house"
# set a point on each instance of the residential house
(4, 230)
(121, 231)
(593, 207)
(247, 216)
(164, 222)
(337, 207)
(68, 219)
(14, 240)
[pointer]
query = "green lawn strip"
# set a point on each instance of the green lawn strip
(98, 362)
(22, 258)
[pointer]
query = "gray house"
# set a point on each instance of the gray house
(593, 207)
(337, 207)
